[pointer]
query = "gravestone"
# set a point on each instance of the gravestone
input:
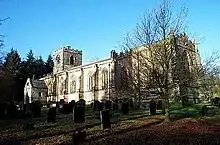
(82, 102)
(115, 106)
(108, 105)
(105, 119)
(153, 107)
(48, 105)
(66, 108)
(131, 104)
(204, 110)
(95, 106)
(72, 105)
(78, 136)
(159, 105)
(2, 111)
(125, 108)
(98, 106)
(35, 108)
(92, 105)
(79, 112)
(28, 125)
(10, 110)
(51, 116)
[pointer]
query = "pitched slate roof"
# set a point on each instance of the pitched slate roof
(40, 84)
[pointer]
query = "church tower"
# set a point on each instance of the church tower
(65, 58)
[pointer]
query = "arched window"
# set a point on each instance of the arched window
(104, 79)
(124, 78)
(90, 82)
(73, 85)
(62, 86)
(71, 60)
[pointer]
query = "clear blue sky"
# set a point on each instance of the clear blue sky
(94, 26)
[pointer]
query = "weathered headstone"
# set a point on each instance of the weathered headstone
(159, 105)
(35, 108)
(79, 112)
(66, 108)
(131, 103)
(48, 105)
(105, 119)
(153, 107)
(72, 105)
(78, 136)
(28, 125)
(92, 105)
(108, 104)
(2, 111)
(204, 110)
(51, 116)
(101, 106)
(115, 106)
(125, 108)
(82, 102)
(95, 106)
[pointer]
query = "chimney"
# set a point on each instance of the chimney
(33, 77)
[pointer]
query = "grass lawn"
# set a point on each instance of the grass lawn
(60, 131)
(193, 111)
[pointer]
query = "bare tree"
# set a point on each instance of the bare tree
(158, 52)
(209, 76)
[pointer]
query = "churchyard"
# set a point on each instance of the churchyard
(113, 124)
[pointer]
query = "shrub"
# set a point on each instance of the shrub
(215, 101)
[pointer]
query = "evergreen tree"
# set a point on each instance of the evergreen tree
(30, 64)
(40, 67)
(49, 64)
(10, 71)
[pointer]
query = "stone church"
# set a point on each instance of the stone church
(103, 79)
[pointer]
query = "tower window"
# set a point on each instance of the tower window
(58, 59)
(71, 60)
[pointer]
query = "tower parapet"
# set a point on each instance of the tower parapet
(66, 57)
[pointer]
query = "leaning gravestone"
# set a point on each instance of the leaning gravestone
(51, 116)
(125, 108)
(105, 119)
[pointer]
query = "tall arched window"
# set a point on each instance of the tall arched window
(124, 78)
(73, 85)
(62, 86)
(71, 60)
(104, 79)
(90, 82)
